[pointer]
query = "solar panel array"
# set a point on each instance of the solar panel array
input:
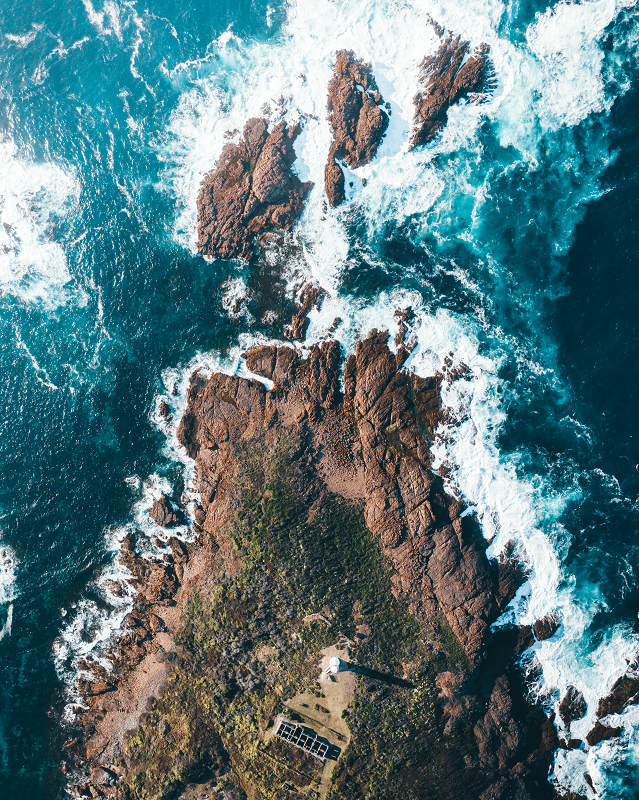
(304, 738)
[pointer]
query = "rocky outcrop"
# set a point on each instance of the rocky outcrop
(114, 700)
(573, 706)
(439, 556)
(357, 118)
(624, 693)
(601, 733)
(163, 513)
(547, 627)
(251, 191)
(447, 77)
(311, 296)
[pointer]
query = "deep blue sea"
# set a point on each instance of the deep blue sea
(514, 236)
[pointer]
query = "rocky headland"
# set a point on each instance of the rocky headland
(357, 117)
(251, 191)
(321, 528)
(321, 521)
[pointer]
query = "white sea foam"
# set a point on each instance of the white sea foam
(25, 39)
(8, 590)
(512, 508)
(33, 196)
(565, 40)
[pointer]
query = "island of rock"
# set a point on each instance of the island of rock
(357, 118)
(251, 191)
(446, 77)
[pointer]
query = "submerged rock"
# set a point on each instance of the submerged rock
(573, 706)
(357, 118)
(251, 190)
(446, 77)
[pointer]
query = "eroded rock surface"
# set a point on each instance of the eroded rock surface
(447, 77)
(373, 441)
(547, 627)
(251, 190)
(573, 706)
(357, 118)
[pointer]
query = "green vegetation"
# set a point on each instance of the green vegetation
(244, 648)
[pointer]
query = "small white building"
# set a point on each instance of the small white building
(334, 665)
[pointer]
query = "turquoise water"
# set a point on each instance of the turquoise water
(513, 236)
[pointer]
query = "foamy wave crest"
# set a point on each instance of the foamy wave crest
(33, 197)
(8, 591)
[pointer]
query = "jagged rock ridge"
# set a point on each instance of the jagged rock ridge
(446, 77)
(251, 190)
(357, 118)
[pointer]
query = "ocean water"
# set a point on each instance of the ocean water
(513, 236)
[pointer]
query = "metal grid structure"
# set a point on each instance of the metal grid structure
(304, 738)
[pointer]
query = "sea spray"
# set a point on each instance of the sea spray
(33, 197)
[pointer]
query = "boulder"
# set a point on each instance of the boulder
(547, 627)
(164, 514)
(573, 706)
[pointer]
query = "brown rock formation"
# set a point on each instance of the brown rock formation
(310, 297)
(625, 692)
(370, 444)
(438, 555)
(573, 706)
(357, 118)
(601, 733)
(546, 627)
(164, 514)
(251, 190)
(446, 78)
